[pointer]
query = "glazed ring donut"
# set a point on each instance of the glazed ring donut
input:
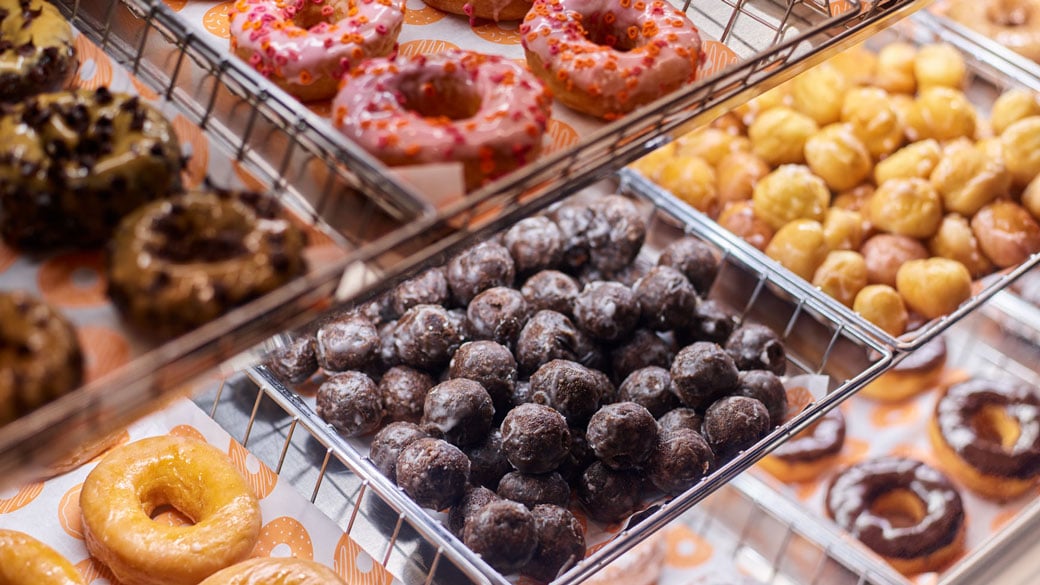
(1012, 23)
(73, 163)
(36, 51)
(275, 571)
(810, 453)
(919, 371)
(496, 10)
(608, 57)
(27, 561)
(40, 356)
(178, 263)
(120, 494)
(987, 434)
(306, 47)
(484, 111)
(904, 510)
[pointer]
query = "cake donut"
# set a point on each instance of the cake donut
(608, 57)
(36, 50)
(902, 509)
(986, 433)
(811, 452)
(73, 163)
(919, 371)
(275, 571)
(307, 46)
(1012, 23)
(483, 111)
(27, 561)
(121, 492)
(178, 263)
(40, 355)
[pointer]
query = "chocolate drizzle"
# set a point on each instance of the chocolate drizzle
(37, 68)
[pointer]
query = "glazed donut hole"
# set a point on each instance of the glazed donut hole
(885, 253)
(968, 177)
(651, 164)
(874, 120)
(837, 156)
(883, 306)
(1012, 106)
(956, 240)
(913, 160)
(842, 275)
(843, 229)
(909, 207)
(934, 286)
(1006, 232)
(691, 179)
(1031, 197)
(941, 113)
(710, 144)
(939, 65)
(800, 247)
(737, 174)
(895, 68)
(857, 65)
(855, 199)
(788, 193)
(1021, 143)
(779, 134)
(819, 93)
(740, 219)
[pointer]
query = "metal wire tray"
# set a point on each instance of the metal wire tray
(993, 70)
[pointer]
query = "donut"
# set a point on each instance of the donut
(919, 371)
(40, 355)
(608, 57)
(121, 492)
(483, 111)
(307, 46)
(73, 163)
(496, 10)
(27, 561)
(902, 509)
(275, 571)
(1012, 23)
(986, 433)
(811, 452)
(36, 50)
(177, 263)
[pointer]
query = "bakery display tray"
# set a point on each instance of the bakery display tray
(992, 69)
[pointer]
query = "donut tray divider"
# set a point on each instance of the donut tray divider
(816, 341)
(994, 70)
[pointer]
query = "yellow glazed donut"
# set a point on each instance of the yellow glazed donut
(799, 246)
(691, 179)
(842, 275)
(778, 135)
(27, 561)
(120, 494)
(934, 286)
(275, 571)
(939, 65)
(819, 93)
(838, 157)
(1031, 197)
(788, 193)
(967, 177)
(881, 305)
(913, 160)
(1021, 142)
(895, 68)
(941, 113)
(857, 64)
(908, 207)
(1011, 106)
(873, 117)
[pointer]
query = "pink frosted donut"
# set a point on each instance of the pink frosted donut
(306, 46)
(484, 111)
(608, 57)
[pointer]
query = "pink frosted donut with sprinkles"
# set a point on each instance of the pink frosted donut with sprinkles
(307, 46)
(608, 57)
(484, 111)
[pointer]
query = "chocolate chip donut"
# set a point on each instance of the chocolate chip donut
(36, 50)
(72, 164)
(176, 264)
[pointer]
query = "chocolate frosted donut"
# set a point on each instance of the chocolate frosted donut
(561, 542)
(606, 310)
(492, 365)
(403, 391)
(650, 388)
(429, 287)
(475, 498)
(350, 402)
(679, 460)
(349, 342)
(40, 355)
(532, 489)
(459, 411)
(479, 268)
(608, 495)
(695, 259)
(498, 314)
(503, 533)
(680, 418)
(616, 232)
(72, 164)
(36, 49)
(766, 387)
(296, 361)
(712, 321)
(176, 264)
(823, 438)
(570, 388)
(757, 347)
(535, 438)
(433, 472)
(643, 349)
(388, 444)
(535, 243)
(551, 290)
(734, 423)
(487, 461)
(425, 337)
(666, 299)
(549, 335)
(701, 373)
(622, 434)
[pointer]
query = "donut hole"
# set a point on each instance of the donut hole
(439, 96)
(993, 424)
(900, 507)
(190, 235)
(321, 12)
(612, 36)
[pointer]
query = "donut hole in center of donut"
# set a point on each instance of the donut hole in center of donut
(312, 13)
(167, 514)
(189, 235)
(993, 424)
(610, 35)
(439, 96)
(900, 507)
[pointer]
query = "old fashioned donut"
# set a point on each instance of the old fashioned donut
(904, 510)
(810, 453)
(917, 372)
(496, 10)
(40, 355)
(178, 263)
(608, 57)
(483, 111)
(1012, 23)
(73, 163)
(132, 481)
(275, 571)
(36, 50)
(27, 561)
(307, 46)
(987, 434)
